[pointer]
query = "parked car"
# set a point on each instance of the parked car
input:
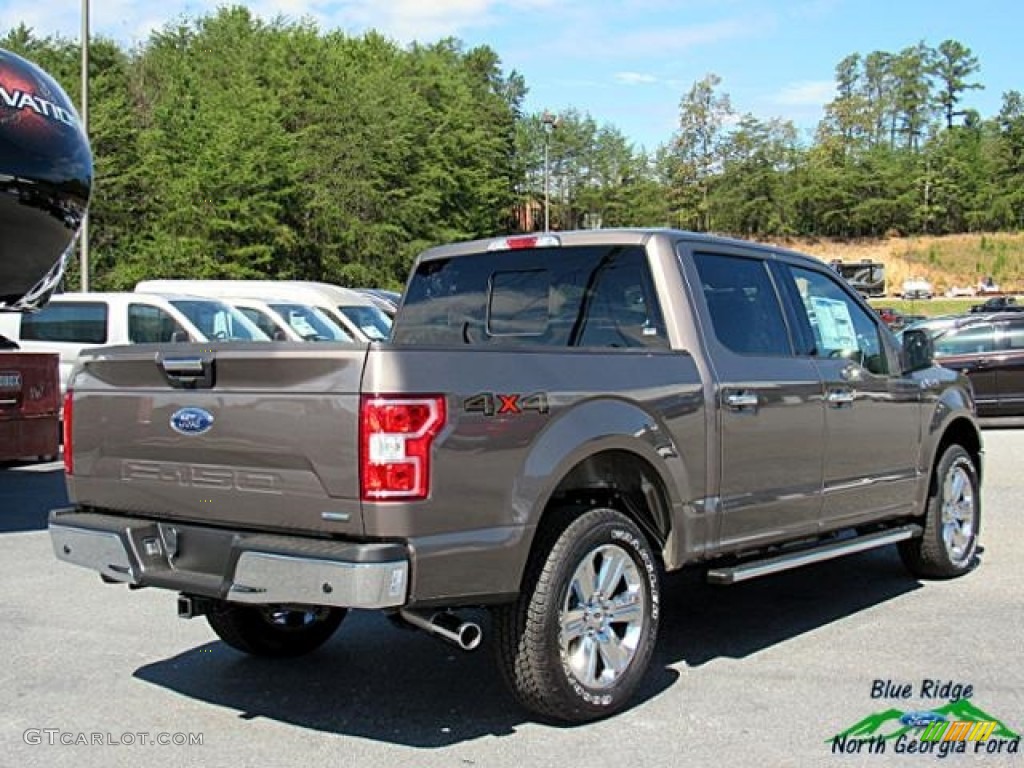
(892, 317)
(350, 309)
(990, 350)
(934, 325)
(999, 304)
(290, 321)
(388, 301)
(917, 288)
(73, 322)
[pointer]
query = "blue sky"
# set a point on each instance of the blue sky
(629, 63)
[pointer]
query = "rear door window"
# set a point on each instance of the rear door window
(745, 311)
(153, 325)
(1014, 334)
(74, 322)
(577, 296)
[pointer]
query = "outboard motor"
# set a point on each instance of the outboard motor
(46, 178)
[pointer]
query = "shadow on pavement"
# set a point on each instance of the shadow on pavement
(27, 494)
(703, 622)
(372, 680)
(377, 682)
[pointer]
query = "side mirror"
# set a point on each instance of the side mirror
(918, 350)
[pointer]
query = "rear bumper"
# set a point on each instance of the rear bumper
(231, 565)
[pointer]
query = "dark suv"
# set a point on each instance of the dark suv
(998, 304)
(990, 350)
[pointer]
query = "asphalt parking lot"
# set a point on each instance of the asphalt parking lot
(764, 673)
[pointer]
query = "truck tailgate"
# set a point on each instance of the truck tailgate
(261, 436)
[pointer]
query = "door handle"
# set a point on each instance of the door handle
(188, 372)
(737, 401)
(840, 397)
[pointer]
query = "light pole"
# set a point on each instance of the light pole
(83, 242)
(548, 122)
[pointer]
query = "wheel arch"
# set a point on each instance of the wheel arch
(614, 452)
(961, 431)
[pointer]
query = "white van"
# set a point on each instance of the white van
(351, 309)
(284, 320)
(71, 322)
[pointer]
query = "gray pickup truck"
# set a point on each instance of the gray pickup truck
(556, 421)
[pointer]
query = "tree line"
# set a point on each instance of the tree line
(230, 146)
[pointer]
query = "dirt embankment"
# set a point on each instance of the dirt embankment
(949, 261)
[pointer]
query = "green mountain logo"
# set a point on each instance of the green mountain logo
(886, 724)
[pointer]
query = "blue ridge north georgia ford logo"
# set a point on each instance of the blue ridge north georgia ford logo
(191, 421)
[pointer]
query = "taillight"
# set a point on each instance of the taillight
(395, 436)
(69, 458)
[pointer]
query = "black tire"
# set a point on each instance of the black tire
(546, 669)
(952, 520)
(274, 631)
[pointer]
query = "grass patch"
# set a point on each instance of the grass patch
(928, 307)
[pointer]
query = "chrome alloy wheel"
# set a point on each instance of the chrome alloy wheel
(603, 616)
(959, 513)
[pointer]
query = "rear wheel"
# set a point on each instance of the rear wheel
(950, 540)
(272, 630)
(578, 641)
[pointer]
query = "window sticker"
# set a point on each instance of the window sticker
(835, 325)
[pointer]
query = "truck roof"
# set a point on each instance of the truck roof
(616, 236)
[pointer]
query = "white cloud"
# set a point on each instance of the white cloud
(807, 93)
(634, 78)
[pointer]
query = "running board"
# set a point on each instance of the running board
(755, 568)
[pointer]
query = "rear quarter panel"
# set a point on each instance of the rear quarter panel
(492, 475)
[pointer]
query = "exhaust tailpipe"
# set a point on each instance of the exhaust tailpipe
(464, 634)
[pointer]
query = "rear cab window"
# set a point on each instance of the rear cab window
(595, 296)
(73, 322)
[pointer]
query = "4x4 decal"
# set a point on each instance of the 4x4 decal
(494, 404)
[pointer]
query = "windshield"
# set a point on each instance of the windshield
(373, 322)
(218, 321)
(311, 323)
(263, 320)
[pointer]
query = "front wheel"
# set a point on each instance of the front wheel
(578, 641)
(952, 519)
(274, 631)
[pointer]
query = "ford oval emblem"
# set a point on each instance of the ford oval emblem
(191, 421)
